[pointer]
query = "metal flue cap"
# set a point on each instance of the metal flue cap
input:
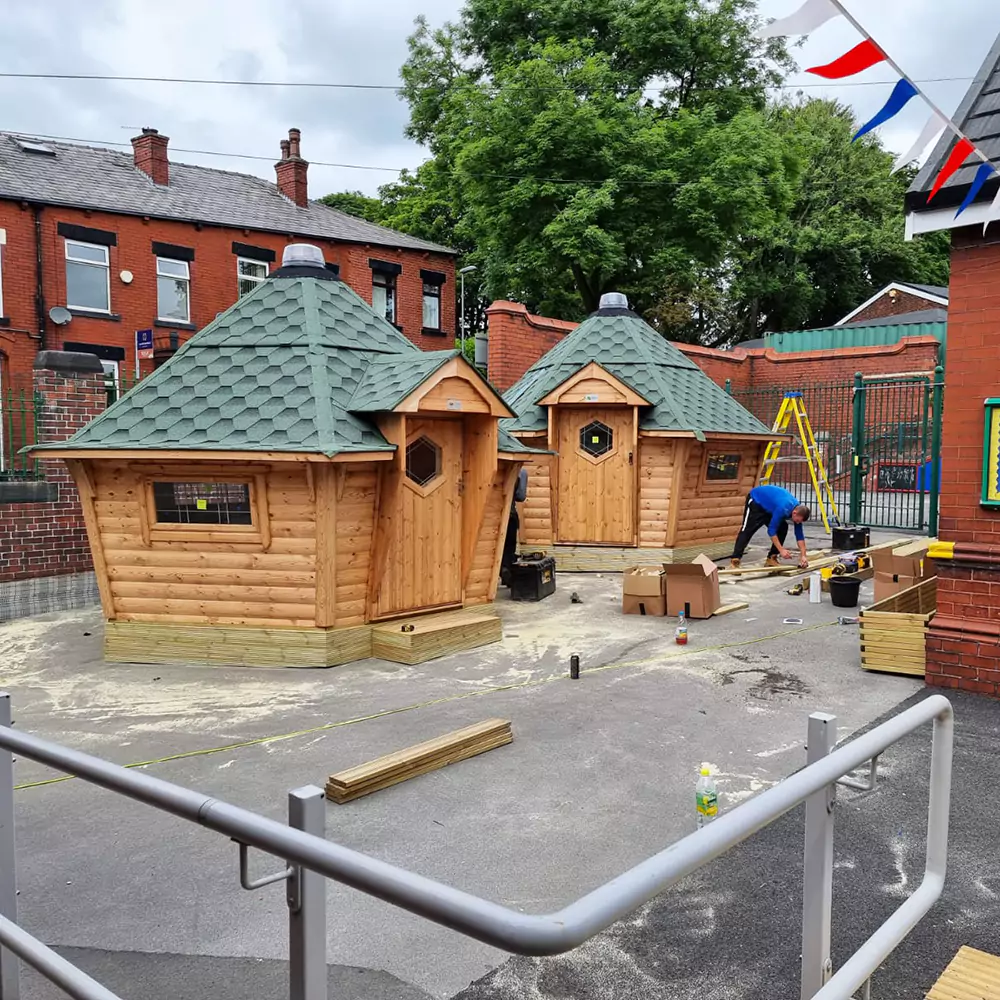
(302, 255)
(613, 300)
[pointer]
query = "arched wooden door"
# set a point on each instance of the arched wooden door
(596, 476)
(423, 566)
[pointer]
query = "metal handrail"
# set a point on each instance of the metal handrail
(576, 923)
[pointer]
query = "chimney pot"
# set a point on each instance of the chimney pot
(292, 170)
(150, 153)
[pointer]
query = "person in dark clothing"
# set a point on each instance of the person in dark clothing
(772, 506)
(513, 523)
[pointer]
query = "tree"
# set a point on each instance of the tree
(355, 203)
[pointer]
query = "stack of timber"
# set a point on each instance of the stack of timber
(894, 631)
(420, 759)
(415, 640)
(817, 560)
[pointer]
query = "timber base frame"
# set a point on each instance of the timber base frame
(614, 559)
(432, 636)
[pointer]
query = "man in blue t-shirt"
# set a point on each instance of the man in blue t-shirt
(773, 506)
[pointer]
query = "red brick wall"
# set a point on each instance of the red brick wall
(213, 281)
(517, 340)
(50, 539)
(885, 306)
(963, 647)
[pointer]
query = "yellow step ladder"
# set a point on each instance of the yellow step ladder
(793, 407)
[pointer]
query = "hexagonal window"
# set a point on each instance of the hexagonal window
(597, 439)
(423, 461)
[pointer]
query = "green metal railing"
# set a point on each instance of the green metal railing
(19, 414)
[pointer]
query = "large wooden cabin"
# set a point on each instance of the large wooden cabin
(651, 455)
(295, 473)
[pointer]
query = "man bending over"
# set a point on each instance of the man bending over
(773, 506)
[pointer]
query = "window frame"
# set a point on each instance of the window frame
(256, 281)
(438, 480)
(713, 487)
(257, 533)
(3, 251)
(82, 262)
(173, 277)
(431, 291)
(604, 456)
(382, 279)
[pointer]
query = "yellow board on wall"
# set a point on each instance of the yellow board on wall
(991, 455)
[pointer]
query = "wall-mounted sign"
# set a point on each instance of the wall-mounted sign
(143, 343)
(592, 397)
(454, 404)
(991, 455)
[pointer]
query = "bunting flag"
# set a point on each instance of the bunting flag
(958, 156)
(811, 15)
(902, 94)
(982, 176)
(930, 133)
(861, 57)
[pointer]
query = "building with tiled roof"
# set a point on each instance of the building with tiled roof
(96, 244)
(651, 453)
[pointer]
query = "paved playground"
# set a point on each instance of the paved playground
(600, 775)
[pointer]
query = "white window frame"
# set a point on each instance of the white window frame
(435, 295)
(112, 379)
(240, 278)
(90, 263)
(390, 284)
(186, 277)
(3, 244)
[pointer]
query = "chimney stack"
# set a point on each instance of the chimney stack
(151, 155)
(292, 170)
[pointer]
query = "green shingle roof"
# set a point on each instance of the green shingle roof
(281, 370)
(682, 396)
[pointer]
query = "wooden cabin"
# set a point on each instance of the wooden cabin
(297, 474)
(653, 461)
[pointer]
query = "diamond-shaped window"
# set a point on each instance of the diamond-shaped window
(423, 461)
(597, 439)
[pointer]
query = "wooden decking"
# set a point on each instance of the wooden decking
(612, 559)
(972, 975)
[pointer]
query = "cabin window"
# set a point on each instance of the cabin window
(202, 503)
(597, 439)
(722, 467)
(423, 461)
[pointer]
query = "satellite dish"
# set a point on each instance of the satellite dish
(60, 315)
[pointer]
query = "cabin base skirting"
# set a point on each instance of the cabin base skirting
(249, 646)
(613, 559)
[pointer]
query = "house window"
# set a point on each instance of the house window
(249, 274)
(88, 277)
(202, 503)
(432, 306)
(722, 468)
(423, 461)
(112, 380)
(597, 439)
(384, 295)
(173, 290)
(3, 242)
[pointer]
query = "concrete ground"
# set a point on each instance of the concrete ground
(601, 775)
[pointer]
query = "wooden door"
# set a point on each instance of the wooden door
(423, 566)
(596, 476)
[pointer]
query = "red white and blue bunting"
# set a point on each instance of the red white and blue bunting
(813, 14)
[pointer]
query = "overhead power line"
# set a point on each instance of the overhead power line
(393, 87)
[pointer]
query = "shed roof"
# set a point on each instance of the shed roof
(106, 179)
(278, 371)
(683, 397)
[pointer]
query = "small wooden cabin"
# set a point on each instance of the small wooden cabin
(295, 473)
(651, 454)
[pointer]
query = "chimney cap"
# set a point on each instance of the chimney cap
(146, 130)
(302, 255)
(614, 300)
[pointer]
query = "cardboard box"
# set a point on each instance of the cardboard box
(693, 588)
(901, 568)
(642, 591)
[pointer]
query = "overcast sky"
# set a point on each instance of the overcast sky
(349, 41)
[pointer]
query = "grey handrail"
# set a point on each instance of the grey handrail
(568, 928)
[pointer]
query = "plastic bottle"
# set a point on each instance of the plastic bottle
(815, 589)
(706, 796)
(681, 632)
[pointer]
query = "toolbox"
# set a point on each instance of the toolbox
(850, 536)
(533, 579)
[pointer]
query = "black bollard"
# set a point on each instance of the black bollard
(574, 667)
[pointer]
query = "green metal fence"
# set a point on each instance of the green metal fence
(19, 413)
(879, 439)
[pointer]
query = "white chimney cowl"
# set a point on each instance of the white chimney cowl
(302, 255)
(614, 300)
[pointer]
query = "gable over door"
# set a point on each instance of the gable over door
(423, 567)
(596, 476)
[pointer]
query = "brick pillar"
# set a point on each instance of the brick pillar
(963, 642)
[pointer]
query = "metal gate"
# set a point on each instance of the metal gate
(880, 441)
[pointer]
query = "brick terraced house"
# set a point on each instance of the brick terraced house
(96, 244)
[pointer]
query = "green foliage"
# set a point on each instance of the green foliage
(357, 204)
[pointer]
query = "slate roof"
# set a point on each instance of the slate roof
(108, 180)
(941, 291)
(979, 118)
(921, 316)
(276, 372)
(683, 397)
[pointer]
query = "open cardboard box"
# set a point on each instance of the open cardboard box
(642, 591)
(900, 568)
(693, 588)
